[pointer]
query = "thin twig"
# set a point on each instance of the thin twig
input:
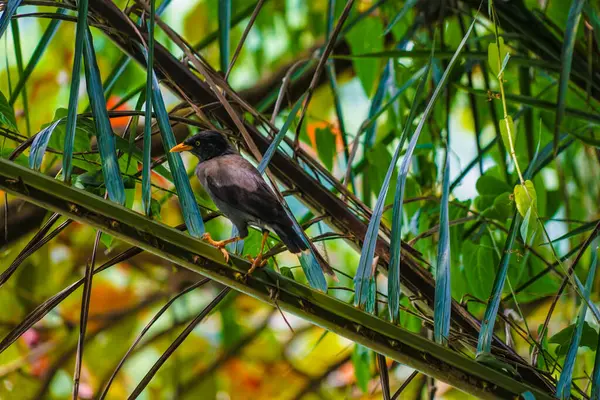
(40, 311)
(244, 35)
(146, 328)
(287, 79)
(322, 61)
(35, 244)
(437, 228)
(405, 384)
(384, 377)
(69, 350)
(353, 151)
(182, 336)
(85, 308)
(563, 285)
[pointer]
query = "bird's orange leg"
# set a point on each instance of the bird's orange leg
(220, 244)
(258, 261)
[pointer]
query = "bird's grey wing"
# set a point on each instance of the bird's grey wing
(238, 184)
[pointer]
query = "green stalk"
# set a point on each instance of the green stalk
(19, 56)
(266, 285)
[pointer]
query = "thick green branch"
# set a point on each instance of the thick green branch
(415, 279)
(266, 285)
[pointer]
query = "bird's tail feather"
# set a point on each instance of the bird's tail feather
(293, 241)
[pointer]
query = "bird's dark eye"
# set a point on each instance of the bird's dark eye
(197, 143)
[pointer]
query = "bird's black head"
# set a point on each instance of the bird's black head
(205, 145)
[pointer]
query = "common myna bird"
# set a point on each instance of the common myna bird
(240, 192)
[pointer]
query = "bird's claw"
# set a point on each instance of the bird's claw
(219, 244)
(225, 253)
(207, 238)
(256, 263)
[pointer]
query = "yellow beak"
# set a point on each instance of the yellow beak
(180, 147)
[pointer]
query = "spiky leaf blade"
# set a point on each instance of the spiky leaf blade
(443, 298)
(80, 31)
(104, 134)
(39, 145)
(563, 388)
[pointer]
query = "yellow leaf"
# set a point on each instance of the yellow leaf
(525, 197)
(496, 61)
(505, 129)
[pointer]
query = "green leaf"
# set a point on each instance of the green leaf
(491, 185)
(479, 261)
(107, 240)
(525, 197)
(7, 114)
(38, 147)
(326, 146)
(129, 192)
(224, 32)
(104, 133)
(147, 160)
(379, 159)
(155, 208)
(501, 208)
(90, 181)
(365, 37)
(361, 360)
(589, 338)
(507, 126)
(497, 56)
(84, 131)
(484, 202)
(408, 320)
(566, 58)
(287, 272)
(526, 230)
(81, 28)
(408, 5)
(253, 240)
